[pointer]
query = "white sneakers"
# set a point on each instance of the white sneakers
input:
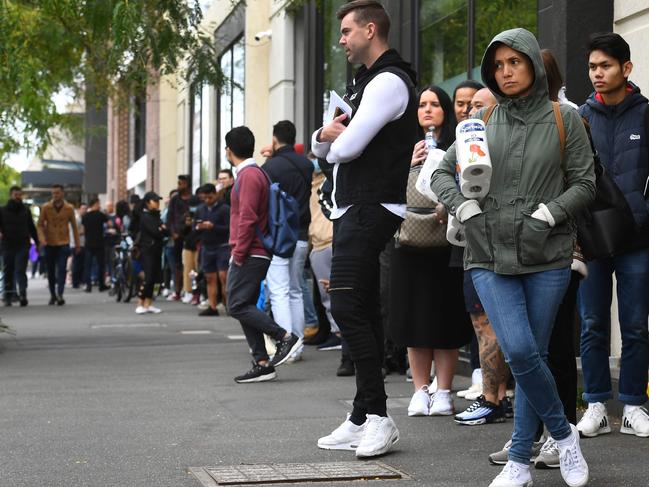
(635, 421)
(420, 403)
(151, 309)
(574, 469)
(514, 474)
(594, 421)
(379, 436)
(375, 437)
(441, 404)
(346, 437)
(187, 298)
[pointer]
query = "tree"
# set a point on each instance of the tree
(114, 47)
(8, 177)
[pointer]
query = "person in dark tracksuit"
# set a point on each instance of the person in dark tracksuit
(151, 240)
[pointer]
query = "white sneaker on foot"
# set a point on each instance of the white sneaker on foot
(346, 437)
(153, 309)
(187, 298)
(635, 421)
(379, 436)
(140, 310)
(514, 474)
(594, 422)
(574, 469)
(473, 389)
(441, 404)
(420, 403)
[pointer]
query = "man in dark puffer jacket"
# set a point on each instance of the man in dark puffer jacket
(617, 114)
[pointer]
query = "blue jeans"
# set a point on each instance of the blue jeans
(15, 271)
(522, 311)
(595, 294)
(56, 257)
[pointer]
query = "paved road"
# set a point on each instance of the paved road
(94, 395)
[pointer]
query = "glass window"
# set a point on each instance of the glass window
(196, 120)
(494, 16)
(139, 127)
(335, 62)
(443, 47)
(231, 104)
(444, 50)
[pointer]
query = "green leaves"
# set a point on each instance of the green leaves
(114, 46)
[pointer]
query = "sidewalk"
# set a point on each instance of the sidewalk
(95, 395)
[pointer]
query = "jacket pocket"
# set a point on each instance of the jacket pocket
(478, 248)
(542, 244)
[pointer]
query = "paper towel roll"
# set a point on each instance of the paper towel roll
(474, 162)
(455, 232)
(433, 159)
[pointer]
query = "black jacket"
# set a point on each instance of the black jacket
(151, 235)
(293, 172)
(17, 225)
(380, 173)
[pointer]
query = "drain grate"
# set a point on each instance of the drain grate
(286, 473)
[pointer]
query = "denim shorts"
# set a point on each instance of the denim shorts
(215, 260)
(471, 298)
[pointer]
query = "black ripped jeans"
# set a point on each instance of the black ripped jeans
(359, 237)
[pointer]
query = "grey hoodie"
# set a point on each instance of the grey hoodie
(527, 170)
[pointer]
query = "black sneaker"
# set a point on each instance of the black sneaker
(209, 311)
(507, 406)
(332, 343)
(52, 301)
(7, 302)
(286, 348)
(258, 373)
(60, 301)
(481, 412)
(88, 289)
(23, 301)
(346, 368)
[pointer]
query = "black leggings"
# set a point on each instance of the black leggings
(151, 259)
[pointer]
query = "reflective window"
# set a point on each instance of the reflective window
(231, 104)
(443, 46)
(335, 62)
(444, 50)
(196, 120)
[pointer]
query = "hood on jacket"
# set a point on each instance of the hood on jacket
(523, 41)
(389, 58)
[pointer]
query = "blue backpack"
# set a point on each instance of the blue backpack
(283, 221)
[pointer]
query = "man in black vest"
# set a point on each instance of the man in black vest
(371, 164)
(16, 227)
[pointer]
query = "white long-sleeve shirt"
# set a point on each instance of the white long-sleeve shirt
(385, 100)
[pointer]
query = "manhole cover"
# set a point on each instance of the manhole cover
(286, 473)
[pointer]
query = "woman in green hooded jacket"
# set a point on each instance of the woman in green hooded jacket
(520, 238)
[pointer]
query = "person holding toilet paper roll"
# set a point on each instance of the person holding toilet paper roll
(520, 237)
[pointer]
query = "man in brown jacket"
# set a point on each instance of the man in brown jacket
(54, 234)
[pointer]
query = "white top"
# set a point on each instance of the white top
(385, 100)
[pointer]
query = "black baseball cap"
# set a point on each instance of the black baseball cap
(151, 195)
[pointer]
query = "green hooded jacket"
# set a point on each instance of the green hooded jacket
(525, 151)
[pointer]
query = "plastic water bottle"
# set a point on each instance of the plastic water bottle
(431, 143)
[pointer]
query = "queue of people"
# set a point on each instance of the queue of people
(508, 290)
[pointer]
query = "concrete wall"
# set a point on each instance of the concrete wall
(631, 21)
(165, 169)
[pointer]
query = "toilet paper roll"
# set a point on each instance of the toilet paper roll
(474, 188)
(433, 159)
(474, 162)
(455, 232)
